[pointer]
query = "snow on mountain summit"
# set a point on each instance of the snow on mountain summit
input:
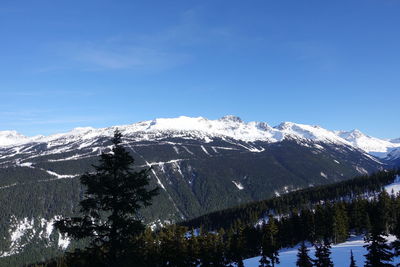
(11, 138)
(304, 131)
(372, 145)
(228, 126)
(205, 129)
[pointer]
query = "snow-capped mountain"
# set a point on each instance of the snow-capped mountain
(397, 140)
(394, 154)
(201, 165)
(11, 137)
(204, 129)
(375, 146)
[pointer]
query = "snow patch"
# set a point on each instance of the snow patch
(205, 151)
(324, 175)
(187, 150)
(238, 185)
(214, 149)
(63, 241)
(319, 147)
(7, 186)
(61, 176)
(361, 170)
(393, 188)
(340, 254)
(26, 164)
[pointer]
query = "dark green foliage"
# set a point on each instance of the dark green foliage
(352, 260)
(269, 244)
(303, 260)
(322, 255)
(301, 199)
(232, 245)
(113, 196)
(379, 253)
(383, 213)
(340, 223)
(396, 228)
(196, 184)
(237, 248)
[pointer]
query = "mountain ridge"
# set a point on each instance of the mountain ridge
(205, 129)
(200, 165)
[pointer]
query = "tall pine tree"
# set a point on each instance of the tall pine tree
(396, 229)
(114, 195)
(269, 244)
(322, 255)
(352, 260)
(303, 260)
(379, 254)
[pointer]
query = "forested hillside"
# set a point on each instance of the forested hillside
(330, 213)
(40, 181)
(362, 187)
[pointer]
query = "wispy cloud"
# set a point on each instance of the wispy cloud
(95, 56)
(157, 50)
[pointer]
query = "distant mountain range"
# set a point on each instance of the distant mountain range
(204, 129)
(200, 165)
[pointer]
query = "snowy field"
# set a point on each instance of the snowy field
(340, 254)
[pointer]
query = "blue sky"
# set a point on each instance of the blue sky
(65, 64)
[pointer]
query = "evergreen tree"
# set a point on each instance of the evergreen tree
(340, 223)
(206, 249)
(114, 194)
(322, 255)
(193, 249)
(174, 246)
(382, 212)
(357, 216)
(352, 261)
(269, 244)
(321, 224)
(367, 223)
(150, 250)
(219, 248)
(237, 248)
(379, 254)
(303, 260)
(396, 229)
(307, 225)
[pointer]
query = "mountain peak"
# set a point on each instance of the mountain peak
(228, 126)
(285, 125)
(231, 118)
(351, 135)
(357, 133)
(11, 137)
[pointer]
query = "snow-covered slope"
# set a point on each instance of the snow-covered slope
(204, 129)
(394, 154)
(11, 137)
(393, 188)
(375, 146)
(397, 140)
(340, 254)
